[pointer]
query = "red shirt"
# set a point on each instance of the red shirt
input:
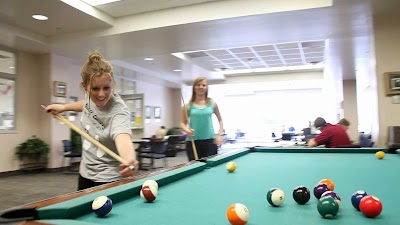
(333, 136)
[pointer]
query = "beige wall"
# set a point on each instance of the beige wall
(30, 121)
(387, 48)
(350, 108)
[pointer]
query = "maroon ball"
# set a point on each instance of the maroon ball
(319, 189)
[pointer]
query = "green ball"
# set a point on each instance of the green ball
(275, 197)
(327, 207)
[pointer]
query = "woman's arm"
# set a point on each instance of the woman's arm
(219, 139)
(59, 108)
(126, 151)
(184, 121)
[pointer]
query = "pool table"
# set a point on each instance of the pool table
(199, 192)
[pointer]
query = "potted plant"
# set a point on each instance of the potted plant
(33, 152)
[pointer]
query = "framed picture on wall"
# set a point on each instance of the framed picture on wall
(148, 112)
(157, 112)
(60, 89)
(392, 83)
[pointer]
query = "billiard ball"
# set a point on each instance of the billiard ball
(371, 206)
(148, 193)
(333, 194)
(356, 198)
(380, 154)
(231, 166)
(328, 182)
(150, 183)
(102, 205)
(301, 195)
(238, 214)
(327, 207)
(319, 189)
(276, 197)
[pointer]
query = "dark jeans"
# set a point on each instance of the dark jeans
(84, 183)
(204, 148)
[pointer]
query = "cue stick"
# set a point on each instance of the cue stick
(92, 140)
(196, 157)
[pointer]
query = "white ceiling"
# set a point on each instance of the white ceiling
(215, 35)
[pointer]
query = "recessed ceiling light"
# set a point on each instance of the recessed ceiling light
(11, 67)
(148, 59)
(40, 17)
(177, 70)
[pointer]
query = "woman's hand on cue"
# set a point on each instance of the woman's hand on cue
(55, 108)
(125, 171)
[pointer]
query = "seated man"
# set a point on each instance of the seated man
(331, 136)
(161, 133)
(344, 123)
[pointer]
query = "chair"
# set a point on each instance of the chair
(70, 151)
(158, 150)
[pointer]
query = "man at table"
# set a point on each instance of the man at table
(331, 136)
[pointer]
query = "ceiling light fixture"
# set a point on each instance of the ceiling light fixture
(148, 59)
(11, 67)
(40, 17)
(177, 70)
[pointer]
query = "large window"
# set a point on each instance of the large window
(7, 91)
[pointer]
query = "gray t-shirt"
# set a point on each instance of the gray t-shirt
(103, 124)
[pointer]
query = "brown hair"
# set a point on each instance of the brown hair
(344, 122)
(95, 66)
(195, 82)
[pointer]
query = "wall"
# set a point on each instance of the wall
(350, 108)
(387, 36)
(29, 91)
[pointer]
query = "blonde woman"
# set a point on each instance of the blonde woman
(106, 118)
(198, 122)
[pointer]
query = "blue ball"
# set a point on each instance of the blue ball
(102, 205)
(356, 198)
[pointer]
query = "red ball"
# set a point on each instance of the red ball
(370, 206)
(148, 193)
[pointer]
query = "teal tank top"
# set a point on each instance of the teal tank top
(201, 122)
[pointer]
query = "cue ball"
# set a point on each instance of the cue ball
(275, 197)
(148, 193)
(371, 206)
(301, 195)
(150, 183)
(102, 205)
(231, 166)
(380, 154)
(356, 198)
(238, 214)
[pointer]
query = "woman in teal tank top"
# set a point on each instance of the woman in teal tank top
(197, 122)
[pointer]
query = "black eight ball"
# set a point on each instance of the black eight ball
(301, 195)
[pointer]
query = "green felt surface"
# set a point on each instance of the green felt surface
(203, 197)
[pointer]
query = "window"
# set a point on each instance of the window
(7, 91)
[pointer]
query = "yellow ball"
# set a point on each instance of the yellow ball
(380, 154)
(231, 166)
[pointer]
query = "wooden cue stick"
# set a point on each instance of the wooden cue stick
(92, 140)
(196, 157)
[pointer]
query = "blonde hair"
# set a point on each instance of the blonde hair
(95, 66)
(195, 82)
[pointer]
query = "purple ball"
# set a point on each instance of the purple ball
(319, 189)
(332, 194)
